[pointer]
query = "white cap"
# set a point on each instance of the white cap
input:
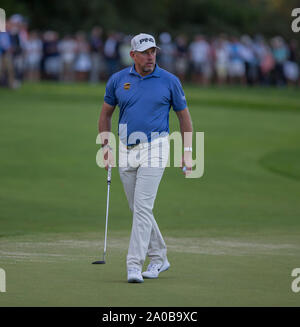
(16, 18)
(142, 42)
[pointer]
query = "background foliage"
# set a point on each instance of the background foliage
(269, 17)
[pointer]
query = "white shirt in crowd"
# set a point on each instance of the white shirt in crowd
(67, 49)
(200, 51)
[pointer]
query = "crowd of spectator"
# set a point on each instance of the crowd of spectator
(33, 56)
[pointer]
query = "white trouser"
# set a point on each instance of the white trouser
(141, 180)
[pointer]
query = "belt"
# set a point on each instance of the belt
(129, 147)
(139, 145)
(142, 145)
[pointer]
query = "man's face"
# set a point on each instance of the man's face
(144, 61)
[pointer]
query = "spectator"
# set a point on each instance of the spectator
(236, 68)
(166, 54)
(200, 55)
(51, 65)
(181, 57)
(97, 59)
(280, 54)
(67, 50)
(111, 53)
(291, 67)
(221, 55)
(33, 54)
(83, 63)
(124, 51)
(14, 31)
(248, 56)
(265, 61)
(6, 62)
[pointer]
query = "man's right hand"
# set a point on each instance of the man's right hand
(108, 157)
(104, 127)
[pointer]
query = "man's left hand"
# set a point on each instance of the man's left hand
(187, 162)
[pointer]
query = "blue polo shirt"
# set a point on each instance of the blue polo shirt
(144, 101)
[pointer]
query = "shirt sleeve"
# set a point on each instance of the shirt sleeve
(110, 95)
(178, 100)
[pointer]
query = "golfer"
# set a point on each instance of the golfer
(144, 94)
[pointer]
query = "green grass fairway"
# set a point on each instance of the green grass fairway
(233, 236)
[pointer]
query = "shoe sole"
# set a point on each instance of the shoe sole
(133, 280)
(160, 271)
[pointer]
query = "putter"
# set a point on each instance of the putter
(107, 205)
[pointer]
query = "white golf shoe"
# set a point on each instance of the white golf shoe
(134, 275)
(154, 269)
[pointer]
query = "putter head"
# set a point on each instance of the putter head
(101, 262)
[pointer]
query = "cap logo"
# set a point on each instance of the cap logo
(146, 40)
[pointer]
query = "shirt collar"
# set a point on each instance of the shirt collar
(155, 73)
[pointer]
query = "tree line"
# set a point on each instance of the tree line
(268, 17)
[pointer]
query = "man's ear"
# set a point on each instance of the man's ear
(132, 54)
